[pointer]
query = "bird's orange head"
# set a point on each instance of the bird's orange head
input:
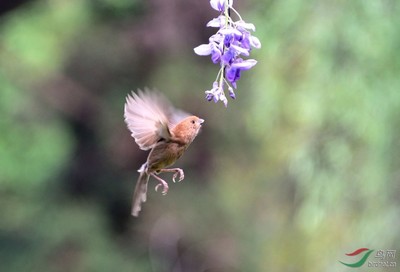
(187, 129)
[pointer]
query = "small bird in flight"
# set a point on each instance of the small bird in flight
(156, 125)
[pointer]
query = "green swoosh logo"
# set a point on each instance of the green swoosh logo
(361, 261)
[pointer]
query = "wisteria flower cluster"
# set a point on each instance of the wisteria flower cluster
(228, 46)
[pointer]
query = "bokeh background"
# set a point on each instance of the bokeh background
(300, 169)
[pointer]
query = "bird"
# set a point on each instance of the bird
(164, 130)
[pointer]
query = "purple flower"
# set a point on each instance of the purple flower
(220, 4)
(216, 94)
(231, 31)
(227, 40)
(231, 92)
(233, 71)
(229, 56)
(232, 75)
(228, 46)
(209, 49)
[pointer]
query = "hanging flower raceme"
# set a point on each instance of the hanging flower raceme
(228, 47)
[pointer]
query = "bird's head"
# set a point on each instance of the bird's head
(188, 128)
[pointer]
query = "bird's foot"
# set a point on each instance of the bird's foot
(179, 172)
(165, 187)
(162, 183)
(176, 171)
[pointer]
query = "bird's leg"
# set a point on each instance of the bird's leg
(162, 183)
(176, 171)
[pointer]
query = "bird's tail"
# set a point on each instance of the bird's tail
(139, 196)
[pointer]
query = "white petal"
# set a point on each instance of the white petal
(203, 50)
(216, 38)
(226, 31)
(215, 3)
(245, 65)
(240, 50)
(216, 22)
(245, 25)
(255, 42)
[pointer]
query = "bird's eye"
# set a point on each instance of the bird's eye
(193, 121)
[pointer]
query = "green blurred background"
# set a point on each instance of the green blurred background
(300, 169)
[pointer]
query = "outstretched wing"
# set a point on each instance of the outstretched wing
(149, 117)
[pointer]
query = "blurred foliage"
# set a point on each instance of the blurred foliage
(300, 169)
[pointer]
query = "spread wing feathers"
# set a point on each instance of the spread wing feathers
(149, 117)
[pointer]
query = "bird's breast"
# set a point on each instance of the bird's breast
(163, 155)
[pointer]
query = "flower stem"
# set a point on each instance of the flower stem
(237, 13)
(227, 12)
(228, 20)
(222, 76)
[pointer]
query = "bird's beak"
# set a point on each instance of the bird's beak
(201, 121)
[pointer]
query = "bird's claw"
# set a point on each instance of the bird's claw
(165, 187)
(180, 173)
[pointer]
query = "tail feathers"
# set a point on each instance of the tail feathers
(139, 196)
